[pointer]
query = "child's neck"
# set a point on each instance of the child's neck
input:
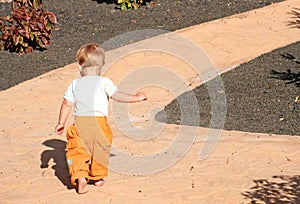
(90, 74)
(90, 71)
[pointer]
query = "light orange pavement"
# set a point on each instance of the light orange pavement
(229, 174)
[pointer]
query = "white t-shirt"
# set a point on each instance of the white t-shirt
(90, 95)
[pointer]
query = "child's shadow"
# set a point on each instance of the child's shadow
(58, 154)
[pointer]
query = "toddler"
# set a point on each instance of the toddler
(89, 138)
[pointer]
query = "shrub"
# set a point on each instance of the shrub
(130, 4)
(29, 28)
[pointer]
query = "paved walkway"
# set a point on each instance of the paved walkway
(241, 167)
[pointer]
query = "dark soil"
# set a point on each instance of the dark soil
(260, 96)
(258, 93)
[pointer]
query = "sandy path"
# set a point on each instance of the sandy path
(29, 114)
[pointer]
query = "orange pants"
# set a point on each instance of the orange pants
(88, 148)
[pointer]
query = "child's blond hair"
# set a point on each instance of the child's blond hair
(91, 58)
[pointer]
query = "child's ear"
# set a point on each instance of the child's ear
(79, 68)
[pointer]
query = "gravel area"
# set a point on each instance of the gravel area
(260, 94)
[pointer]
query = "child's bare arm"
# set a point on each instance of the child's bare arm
(65, 109)
(123, 97)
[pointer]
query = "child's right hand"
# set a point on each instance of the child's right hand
(59, 129)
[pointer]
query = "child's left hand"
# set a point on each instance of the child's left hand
(141, 96)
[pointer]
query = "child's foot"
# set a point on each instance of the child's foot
(99, 182)
(82, 186)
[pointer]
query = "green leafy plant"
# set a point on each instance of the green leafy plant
(29, 28)
(130, 4)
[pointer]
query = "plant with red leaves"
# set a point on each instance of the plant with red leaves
(29, 28)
